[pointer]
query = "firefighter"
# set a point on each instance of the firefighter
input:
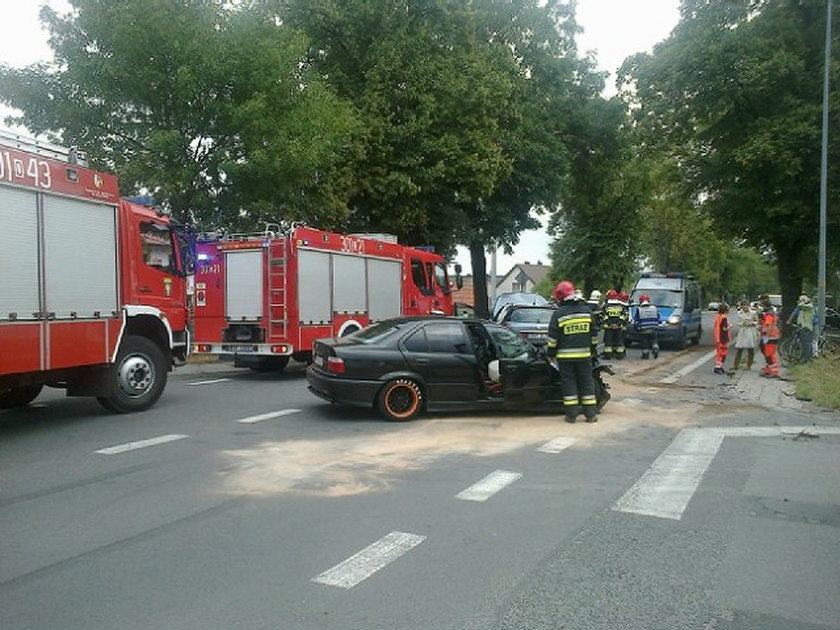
(647, 323)
(569, 346)
(594, 303)
(614, 317)
(769, 323)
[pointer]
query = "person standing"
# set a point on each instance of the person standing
(747, 336)
(722, 337)
(614, 316)
(804, 316)
(646, 322)
(769, 338)
(569, 346)
(594, 303)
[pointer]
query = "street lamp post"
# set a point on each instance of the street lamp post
(824, 173)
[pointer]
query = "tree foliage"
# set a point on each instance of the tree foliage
(734, 97)
(597, 226)
(203, 105)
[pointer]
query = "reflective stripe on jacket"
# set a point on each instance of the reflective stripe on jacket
(615, 314)
(647, 317)
(570, 331)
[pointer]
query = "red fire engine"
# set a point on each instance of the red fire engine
(92, 287)
(265, 298)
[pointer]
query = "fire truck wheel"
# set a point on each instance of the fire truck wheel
(401, 399)
(18, 396)
(137, 378)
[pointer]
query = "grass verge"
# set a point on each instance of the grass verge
(818, 381)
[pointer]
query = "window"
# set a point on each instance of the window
(416, 342)
(157, 245)
(508, 344)
(374, 332)
(531, 315)
(441, 278)
(418, 275)
(447, 338)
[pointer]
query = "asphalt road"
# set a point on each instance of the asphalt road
(241, 501)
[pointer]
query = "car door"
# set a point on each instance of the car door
(526, 376)
(441, 354)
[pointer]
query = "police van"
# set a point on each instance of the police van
(677, 295)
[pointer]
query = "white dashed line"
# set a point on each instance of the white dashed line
(210, 382)
(557, 445)
(488, 486)
(688, 368)
(369, 560)
(267, 416)
(131, 446)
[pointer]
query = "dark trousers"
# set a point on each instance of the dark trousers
(577, 386)
(614, 342)
(650, 341)
(806, 336)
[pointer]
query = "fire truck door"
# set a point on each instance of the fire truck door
(157, 279)
(20, 328)
(244, 285)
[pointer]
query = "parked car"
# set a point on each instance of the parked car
(462, 309)
(405, 365)
(515, 297)
(529, 322)
(713, 306)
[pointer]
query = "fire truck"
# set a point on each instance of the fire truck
(267, 297)
(92, 287)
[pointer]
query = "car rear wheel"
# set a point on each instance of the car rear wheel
(401, 399)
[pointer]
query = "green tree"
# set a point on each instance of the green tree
(734, 95)
(597, 226)
(200, 103)
(464, 109)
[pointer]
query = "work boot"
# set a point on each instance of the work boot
(645, 355)
(591, 416)
(655, 352)
(571, 418)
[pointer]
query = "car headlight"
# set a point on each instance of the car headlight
(674, 319)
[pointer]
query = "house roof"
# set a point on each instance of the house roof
(535, 273)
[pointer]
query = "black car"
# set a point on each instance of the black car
(405, 365)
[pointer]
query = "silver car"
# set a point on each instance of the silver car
(530, 322)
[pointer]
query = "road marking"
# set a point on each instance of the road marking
(488, 486)
(131, 446)
(668, 485)
(688, 368)
(557, 445)
(268, 416)
(210, 382)
(369, 560)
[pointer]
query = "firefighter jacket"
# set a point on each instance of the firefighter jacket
(570, 331)
(615, 314)
(647, 318)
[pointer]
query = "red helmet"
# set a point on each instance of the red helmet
(563, 290)
(612, 294)
(623, 296)
(644, 298)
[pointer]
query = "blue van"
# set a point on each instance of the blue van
(678, 297)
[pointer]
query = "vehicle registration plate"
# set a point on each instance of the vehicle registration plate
(240, 348)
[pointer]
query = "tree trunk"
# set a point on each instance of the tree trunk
(790, 276)
(479, 270)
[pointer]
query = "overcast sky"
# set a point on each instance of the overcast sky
(613, 29)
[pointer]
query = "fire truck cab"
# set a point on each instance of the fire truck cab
(92, 287)
(265, 298)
